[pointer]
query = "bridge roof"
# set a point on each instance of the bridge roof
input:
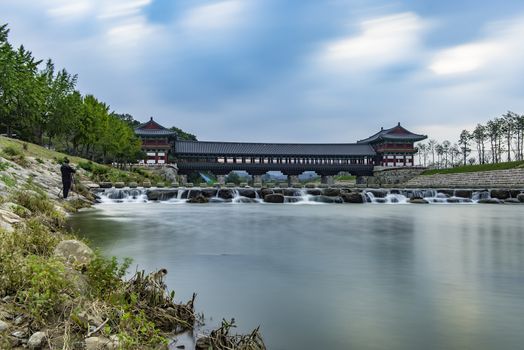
(395, 133)
(273, 149)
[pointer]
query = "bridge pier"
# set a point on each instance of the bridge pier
(292, 179)
(221, 179)
(257, 179)
(327, 179)
(183, 179)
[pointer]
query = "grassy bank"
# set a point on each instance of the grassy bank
(56, 291)
(475, 168)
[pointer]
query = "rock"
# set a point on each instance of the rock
(160, 185)
(3, 326)
(247, 192)
(198, 199)
(520, 197)
(512, 201)
(8, 220)
(352, 197)
(500, 194)
(194, 194)
(99, 343)
(119, 185)
(418, 201)
(326, 199)
(105, 185)
(314, 192)
(209, 192)
(203, 343)
(225, 194)
(453, 200)
(463, 193)
(274, 198)
(378, 193)
(490, 201)
(133, 185)
(19, 320)
(36, 341)
(19, 334)
(265, 191)
(74, 251)
(331, 192)
(146, 184)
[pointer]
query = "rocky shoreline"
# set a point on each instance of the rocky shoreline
(57, 293)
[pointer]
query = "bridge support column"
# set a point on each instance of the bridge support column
(292, 179)
(221, 179)
(257, 179)
(327, 179)
(183, 179)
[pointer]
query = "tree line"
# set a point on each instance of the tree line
(499, 140)
(40, 104)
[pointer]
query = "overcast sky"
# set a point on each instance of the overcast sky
(287, 71)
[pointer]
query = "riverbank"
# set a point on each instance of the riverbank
(55, 291)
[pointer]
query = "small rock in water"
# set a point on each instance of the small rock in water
(36, 340)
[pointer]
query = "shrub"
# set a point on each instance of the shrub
(11, 151)
(8, 180)
(46, 287)
(105, 275)
(4, 166)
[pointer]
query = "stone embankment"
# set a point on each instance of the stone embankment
(511, 178)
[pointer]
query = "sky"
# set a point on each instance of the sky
(287, 71)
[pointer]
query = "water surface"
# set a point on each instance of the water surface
(335, 276)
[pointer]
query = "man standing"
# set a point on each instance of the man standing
(67, 176)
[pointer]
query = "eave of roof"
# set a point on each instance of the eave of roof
(388, 135)
(272, 149)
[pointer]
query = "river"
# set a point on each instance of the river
(334, 276)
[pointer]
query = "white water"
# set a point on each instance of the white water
(299, 196)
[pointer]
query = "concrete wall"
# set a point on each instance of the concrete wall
(390, 176)
(513, 178)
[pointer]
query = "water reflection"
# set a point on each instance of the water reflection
(336, 277)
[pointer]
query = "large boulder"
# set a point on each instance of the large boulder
(198, 199)
(463, 193)
(274, 198)
(331, 192)
(352, 197)
(226, 194)
(378, 193)
(247, 192)
(265, 191)
(74, 251)
(314, 191)
(500, 194)
(209, 192)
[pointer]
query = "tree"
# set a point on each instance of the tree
(445, 150)
(479, 136)
(464, 139)
(431, 148)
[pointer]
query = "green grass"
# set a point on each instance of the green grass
(474, 168)
(32, 150)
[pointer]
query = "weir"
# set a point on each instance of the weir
(327, 195)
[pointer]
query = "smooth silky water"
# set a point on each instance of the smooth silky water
(335, 276)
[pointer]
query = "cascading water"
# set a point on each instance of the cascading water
(293, 195)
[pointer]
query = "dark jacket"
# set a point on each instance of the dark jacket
(67, 173)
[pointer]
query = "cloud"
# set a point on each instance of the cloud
(121, 8)
(68, 10)
(217, 16)
(501, 46)
(381, 41)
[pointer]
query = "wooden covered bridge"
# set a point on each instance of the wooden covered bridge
(392, 147)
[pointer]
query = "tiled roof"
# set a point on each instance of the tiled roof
(394, 133)
(272, 149)
(154, 132)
